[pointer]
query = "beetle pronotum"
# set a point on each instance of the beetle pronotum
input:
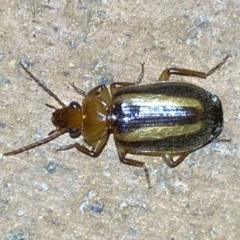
(166, 119)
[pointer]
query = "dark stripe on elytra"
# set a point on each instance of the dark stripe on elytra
(128, 116)
(181, 89)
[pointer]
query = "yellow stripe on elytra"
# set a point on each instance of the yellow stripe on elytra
(158, 100)
(158, 132)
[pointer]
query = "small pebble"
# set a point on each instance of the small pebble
(20, 213)
(44, 186)
(71, 65)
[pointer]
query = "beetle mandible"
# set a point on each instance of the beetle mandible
(166, 119)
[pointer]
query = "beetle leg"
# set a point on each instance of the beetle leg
(132, 162)
(168, 159)
(96, 148)
(141, 75)
(102, 92)
(80, 148)
(79, 90)
(187, 72)
(180, 71)
(114, 87)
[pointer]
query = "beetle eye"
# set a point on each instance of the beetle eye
(74, 104)
(74, 133)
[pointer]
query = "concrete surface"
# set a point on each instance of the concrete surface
(49, 195)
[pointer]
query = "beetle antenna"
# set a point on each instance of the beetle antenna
(46, 89)
(54, 135)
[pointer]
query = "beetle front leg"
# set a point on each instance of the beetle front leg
(132, 162)
(114, 87)
(141, 75)
(79, 90)
(94, 149)
(79, 147)
(168, 159)
(101, 91)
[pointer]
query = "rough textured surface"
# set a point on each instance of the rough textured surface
(49, 195)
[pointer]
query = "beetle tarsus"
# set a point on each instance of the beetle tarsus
(79, 90)
(141, 75)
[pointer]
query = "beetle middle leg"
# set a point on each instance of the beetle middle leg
(122, 157)
(187, 72)
(168, 159)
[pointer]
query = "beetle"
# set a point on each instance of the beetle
(166, 119)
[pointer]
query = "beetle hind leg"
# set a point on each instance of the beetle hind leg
(168, 159)
(188, 72)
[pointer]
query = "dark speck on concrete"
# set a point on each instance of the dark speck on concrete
(97, 208)
(2, 125)
(15, 235)
(51, 167)
(4, 80)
